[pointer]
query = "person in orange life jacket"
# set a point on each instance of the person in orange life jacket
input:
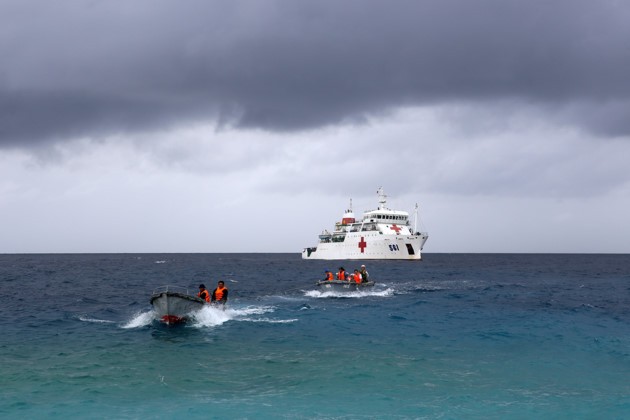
(341, 274)
(329, 275)
(220, 294)
(203, 293)
(356, 276)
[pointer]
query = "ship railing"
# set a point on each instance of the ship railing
(171, 288)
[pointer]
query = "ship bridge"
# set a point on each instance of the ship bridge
(386, 216)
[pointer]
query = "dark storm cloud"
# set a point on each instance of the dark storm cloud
(95, 68)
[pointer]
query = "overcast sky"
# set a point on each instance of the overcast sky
(246, 126)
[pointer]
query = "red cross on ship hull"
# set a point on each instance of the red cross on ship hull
(396, 228)
(362, 244)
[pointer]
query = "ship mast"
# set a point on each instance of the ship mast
(415, 219)
(382, 199)
(348, 217)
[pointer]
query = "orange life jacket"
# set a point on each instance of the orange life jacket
(218, 293)
(329, 276)
(357, 278)
(341, 275)
(204, 295)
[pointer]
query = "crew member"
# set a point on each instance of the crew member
(341, 274)
(203, 293)
(220, 294)
(329, 276)
(365, 277)
(356, 276)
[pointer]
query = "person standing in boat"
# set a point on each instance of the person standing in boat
(365, 277)
(341, 274)
(220, 294)
(203, 293)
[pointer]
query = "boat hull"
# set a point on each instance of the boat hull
(342, 286)
(172, 307)
(369, 246)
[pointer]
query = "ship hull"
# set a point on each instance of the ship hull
(371, 246)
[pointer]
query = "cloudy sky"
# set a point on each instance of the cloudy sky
(246, 126)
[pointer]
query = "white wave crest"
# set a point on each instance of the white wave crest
(141, 319)
(85, 318)
(354, 294)
(254, 310)
(271, 321)
(211, 316)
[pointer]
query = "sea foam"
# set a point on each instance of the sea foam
(140, 319)
(354, 294)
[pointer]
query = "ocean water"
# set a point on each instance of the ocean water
(454, 336)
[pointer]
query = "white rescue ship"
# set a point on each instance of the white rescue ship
(382, 234)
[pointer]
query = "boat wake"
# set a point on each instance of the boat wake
(85, 318)
(318, 294)
(211, 316)
(141, 319)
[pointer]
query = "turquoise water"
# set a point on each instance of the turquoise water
(453, 336)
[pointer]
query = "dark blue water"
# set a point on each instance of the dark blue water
(453, 336)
